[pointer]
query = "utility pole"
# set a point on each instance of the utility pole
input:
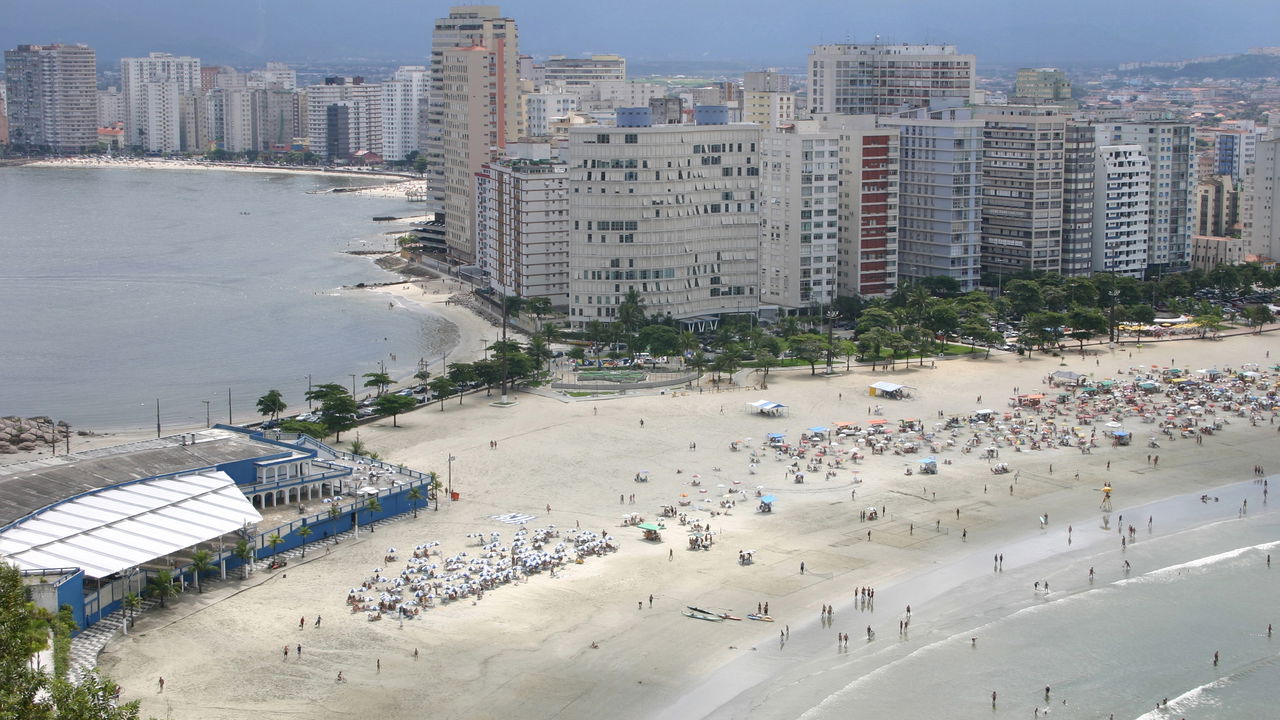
(229, 420)
(450, 490)
(157, 417)
(208, 420)
(353, 385)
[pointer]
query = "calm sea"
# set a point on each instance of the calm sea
(119, 287)
(1119, 645)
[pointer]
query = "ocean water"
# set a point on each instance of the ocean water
(119, 287)
(1119, 645)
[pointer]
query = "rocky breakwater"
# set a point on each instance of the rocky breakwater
(29, 434)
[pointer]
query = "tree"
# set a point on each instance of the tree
(810, 347)
(728, 362)
(393, 405)
(698, 362)
(489, 372)
(658, 340)
(1208, 319)
(415, 496)
(272, 404)
(304, 532)
(764, 361)
(631, 311)
(133, 604)
(201, 563)
(334, 511)
(161, 586)
(1024, 296)
(442, 387)
(1258, 315)
(512, 305)
(875, 318)
(539, 307)
(315, 430)
(379, 380)
(941, 318)
(273, 540)
(1086, 322)
(337, 408)
(1040, 329)
(374, 507)
(849, 349)
(243, 552)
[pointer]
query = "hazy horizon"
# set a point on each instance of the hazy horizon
(745, 32)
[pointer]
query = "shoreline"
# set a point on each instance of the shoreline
(566, 462)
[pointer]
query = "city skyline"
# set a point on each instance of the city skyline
(750, 32)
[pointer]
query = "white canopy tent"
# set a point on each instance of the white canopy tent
(116, 528)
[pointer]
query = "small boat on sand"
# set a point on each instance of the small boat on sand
(703, 616)
(761, 618)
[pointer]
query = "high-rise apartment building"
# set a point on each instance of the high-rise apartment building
(475, 132)
(867, 249)
(1077, 200)
(939, 194)
(52, 96)
(403, 98)
(883, 79)
(541, 108)
(766, 81)
(153, 87)
(799, 215)
(358, 126)
(1170, 147)
(1022, 188)
(4, 115)
(670, 211)
(1044, 85)
(110, 107)
(1216, 206)
(470, 26)
(1261, 214)
(1121, 210)
(522, 228)
(768, 108)
(584, 71)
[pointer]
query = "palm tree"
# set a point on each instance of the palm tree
(244, 553)
(161, 585)
(273, 540)
(433, 489)
(538, 307)
(304, 532)
(133, 604)
(698, 362)
(334, 511)
(512, 305)
(415, 496)
(374, 507)
(201, 562)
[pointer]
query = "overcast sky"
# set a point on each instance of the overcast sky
(763, 32)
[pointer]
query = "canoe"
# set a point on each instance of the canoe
(700, 610)
(703, 616)
(761, 618)
(727, 616)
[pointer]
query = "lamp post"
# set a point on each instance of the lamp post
(208, 420)
(832, 316)
(308, 391)
(450, 476)
(353, 385)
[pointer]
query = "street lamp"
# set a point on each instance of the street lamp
(832, 316)
(308, 391)
(208, 420)
(450, 476)
(353, 384)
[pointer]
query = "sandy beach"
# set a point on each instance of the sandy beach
(587, 643)
(390, 185)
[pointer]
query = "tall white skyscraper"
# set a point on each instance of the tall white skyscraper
(1261, 213)
(1121, 209)
(152, 88)
(402, 98)
(51, 96)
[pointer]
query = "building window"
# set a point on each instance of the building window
(630, 139)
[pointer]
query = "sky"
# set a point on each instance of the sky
(751, 32)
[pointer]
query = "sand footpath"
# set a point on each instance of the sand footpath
(527, 649)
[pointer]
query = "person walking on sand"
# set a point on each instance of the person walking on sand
(161, 683)
(801, 567)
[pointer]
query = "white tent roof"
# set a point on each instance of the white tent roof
(116, 528)
(886, 386)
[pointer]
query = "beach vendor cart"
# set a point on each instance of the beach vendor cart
(652, 531)
(929, 466)
(766, 504)
(1123, 437)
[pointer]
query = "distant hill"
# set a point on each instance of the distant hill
(1240, 67)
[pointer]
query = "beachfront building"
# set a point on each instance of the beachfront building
(939, 194)
(1077, 200)
(1208, 252)
(4, 116)
(867, 247)
(1045, 85)
(770, 108)
(51, 96)
(87, 529)
(669, 211)
(154, 87)
(404, 101)
(468, 26)
(522, 228)
(1170, 146)
(799, 215)
(477, 126)
(1216, 207)
(1261, 215)
(1121, 210)
(584, 71)
(883, 78)
(1022, 187)
(343, 116)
